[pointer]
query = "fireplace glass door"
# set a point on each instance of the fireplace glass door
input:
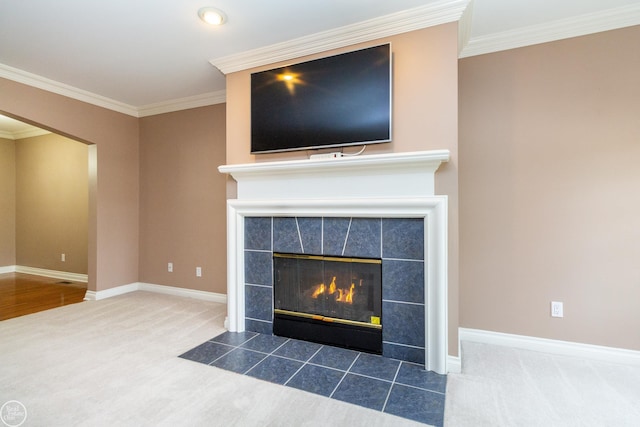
(335, 298)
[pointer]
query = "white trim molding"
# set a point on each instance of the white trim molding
(203, 100)
(7, 269)
(388, 175)
(391, 185)
(433, 210)
(54, 274)
(34, 80)
(159, 289)
(590, 23)
(111, 292)
(28, 133)
(183, 292)
(557, 347)
(454, 364)
(432, 14)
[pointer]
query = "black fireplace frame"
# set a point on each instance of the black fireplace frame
(356, 335)
(326, 331)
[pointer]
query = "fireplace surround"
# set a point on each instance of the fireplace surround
(382, 188)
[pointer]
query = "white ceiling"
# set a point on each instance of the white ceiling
(142, 56)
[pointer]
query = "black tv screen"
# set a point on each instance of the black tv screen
(329, 102)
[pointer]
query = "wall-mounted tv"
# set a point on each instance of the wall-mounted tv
(329, 102)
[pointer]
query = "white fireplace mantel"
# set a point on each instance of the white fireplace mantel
(392, 175)
(380, 185)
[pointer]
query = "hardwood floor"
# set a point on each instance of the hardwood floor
(22, 294)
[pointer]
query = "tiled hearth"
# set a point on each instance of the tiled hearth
(399, 242)
(391, 386)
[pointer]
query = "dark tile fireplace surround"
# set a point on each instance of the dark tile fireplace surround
(399, 242)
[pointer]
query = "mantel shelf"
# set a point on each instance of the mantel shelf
(407, 174)
(422, 158)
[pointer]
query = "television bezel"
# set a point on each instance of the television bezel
(338, 144)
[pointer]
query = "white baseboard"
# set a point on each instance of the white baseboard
(182, 292)
(7, 269)
(111, 292)
(564, 348)
(161, 289)
(454, 364)
(54, 274)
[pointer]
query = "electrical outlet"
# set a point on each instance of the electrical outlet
(198, 271)
(557, 309)
(170, 267)
(63, 257)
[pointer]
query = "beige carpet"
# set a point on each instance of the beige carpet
(502, 386)
(114, 363)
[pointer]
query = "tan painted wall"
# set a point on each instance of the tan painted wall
(182, 199)
(549, 178)
(52, 203)
(114, 190)
(425, 117)
(7, 203)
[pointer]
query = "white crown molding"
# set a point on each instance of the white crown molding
(441, 12)
(63, 89)
(6, 135)
(465, 26)
(53, 86)
(557, 347)
(30, 133)
(203, 100)
(610, 19)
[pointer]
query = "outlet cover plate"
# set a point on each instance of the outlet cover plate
(557, 309)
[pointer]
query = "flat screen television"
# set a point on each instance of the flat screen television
(329, 102)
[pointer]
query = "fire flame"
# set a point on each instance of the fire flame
(319, 290)
(343, 295)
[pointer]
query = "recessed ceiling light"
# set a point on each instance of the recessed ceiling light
(212, 16)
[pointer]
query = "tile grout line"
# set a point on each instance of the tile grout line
(233, 347)
(299, 235)
(262, 352)
(345, 375)
(403, 259)
(371, 378)
(223, 355)
(326, 367)
(303, 365)
(384, 406)
(403, 302)
(404, 345)
(346, 238)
